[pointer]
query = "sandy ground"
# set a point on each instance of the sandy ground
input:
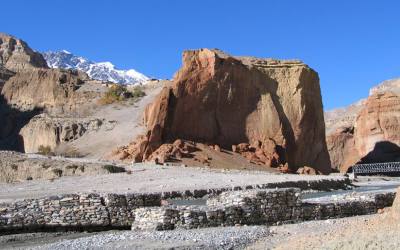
(147, 178)
(19, 167)
(127, 124)
(361, 232)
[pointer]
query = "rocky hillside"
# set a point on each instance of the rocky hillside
(270, 111)
(28, 88)
(367, 131)
(16, 55)
(5, 74)
(103, 71)
(50, 89)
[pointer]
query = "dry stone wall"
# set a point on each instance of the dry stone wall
(254, 207)
(145, 211)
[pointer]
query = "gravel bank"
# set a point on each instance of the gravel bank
(147, 178)
(214, 238)
(353, 233)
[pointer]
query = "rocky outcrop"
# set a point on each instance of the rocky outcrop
(54, 90)
(17, 56)
(224, 100)
(43, 130)
(5, 74)
(372, 137)
(341, 148)
(28, 87)
(377, 129)
(343, 118)
(392, 85)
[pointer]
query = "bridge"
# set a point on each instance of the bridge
(384, 168)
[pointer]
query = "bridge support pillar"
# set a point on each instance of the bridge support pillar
(352, 176)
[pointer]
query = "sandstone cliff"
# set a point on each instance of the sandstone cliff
(50, 89)
(28, 87)
(274, 106)
(5, 74)
(43, 130)
(17, 56)
(372, 135)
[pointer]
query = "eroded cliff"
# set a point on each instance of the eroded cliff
(274, 106)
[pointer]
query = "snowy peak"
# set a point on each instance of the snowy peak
(104, 71)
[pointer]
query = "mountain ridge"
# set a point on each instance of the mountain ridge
(103, 71)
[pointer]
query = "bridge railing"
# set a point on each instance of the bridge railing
(376, 168)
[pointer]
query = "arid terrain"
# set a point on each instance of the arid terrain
(232, 152)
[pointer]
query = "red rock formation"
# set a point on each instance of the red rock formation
(225, 100)
(374, 137)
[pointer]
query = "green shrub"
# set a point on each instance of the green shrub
(44, 150)
(118, 93)
(138, 92)
(115, 93)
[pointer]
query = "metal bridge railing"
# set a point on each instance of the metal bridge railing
(371, 168)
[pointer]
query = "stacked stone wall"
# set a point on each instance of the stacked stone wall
(144, 211)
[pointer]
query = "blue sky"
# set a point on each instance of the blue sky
(353, 45)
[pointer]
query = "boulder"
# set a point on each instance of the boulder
(307, 171)
(220, 99)
(43, 130)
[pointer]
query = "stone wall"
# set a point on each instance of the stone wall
(254, 207)
(74, 212)
(145, 211)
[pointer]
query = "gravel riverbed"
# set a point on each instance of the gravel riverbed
(207, 238)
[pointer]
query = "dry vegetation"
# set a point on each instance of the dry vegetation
(45, 150)
(119, 93)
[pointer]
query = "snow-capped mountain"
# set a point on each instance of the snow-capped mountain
(104, 71)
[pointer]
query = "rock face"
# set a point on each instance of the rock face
(273, 105)
(43, 130)
(392, 85)
(342, 150)
(43, 88)
(5, 74)
(28, 87)
(373, 136)
(17, 56)
(377, 129)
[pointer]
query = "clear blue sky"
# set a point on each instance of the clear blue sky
(352, 44)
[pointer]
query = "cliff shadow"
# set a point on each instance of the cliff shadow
(384, 151)
(12, 120)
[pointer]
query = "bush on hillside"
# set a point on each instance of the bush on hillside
(45, 150)
(118, 93)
